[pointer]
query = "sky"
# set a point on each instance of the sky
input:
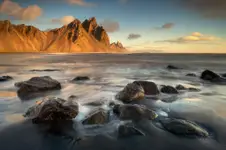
(171, 26)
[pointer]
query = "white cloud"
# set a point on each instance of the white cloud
(194, 37)
(64, 20)
(81, 3)
(14, 10)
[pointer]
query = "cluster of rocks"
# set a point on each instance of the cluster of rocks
(57, 109)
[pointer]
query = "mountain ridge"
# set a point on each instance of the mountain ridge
(75, 37)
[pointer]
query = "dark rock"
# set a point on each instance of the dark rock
(169, 90)
(72, 97)
(191, 89)
(134, 112)
(223, 75)
(45, 70)
(52, 109)
(172, 67)
(180, 87)
(36, 86)
(5, 78)
(131, 92)
(96, 103)
(191, 75)
(194, 90)
(81, 78)
(183, 127)
(128, 131)
(99, 116)
(212, 77)
(150, 88)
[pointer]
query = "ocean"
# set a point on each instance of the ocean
(108, 74)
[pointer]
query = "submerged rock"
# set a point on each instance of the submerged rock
(180, 87)
(169, 90)
(128, 131)
(99, 116)
(45, 70)
(95, 103)
(191, 75)
(172, 67)
(52, 109)
(131, 92)
(81, 78)
(183, 127)
(212, 77)
(134, 112)
(150, 88)
(190, 89)
(72, 97)
(36, 86)
(5, 78)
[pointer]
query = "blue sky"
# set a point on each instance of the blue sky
(145, 18)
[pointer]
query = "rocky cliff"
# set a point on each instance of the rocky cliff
(74, 37)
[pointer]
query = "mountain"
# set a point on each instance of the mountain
(74, 37)
(117, 45)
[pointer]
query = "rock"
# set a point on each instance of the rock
(52, 109)
(183, 127)
(128, 131)
(5, 78)
(191, 89)
(223, 75)
(169, 90)
(81, 78)
(45, 70)
(150, 88)
(212, 77)
(96, 103)
(131, 92)
(134, 112)
(36, 86)
(99, 116)
(194, 90)
(72, 97)
(191, 75)
(180, 87)
(172, 67)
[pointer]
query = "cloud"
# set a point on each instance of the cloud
(81, 3)
(64, 20)
(110, 25)
(215, 9)
(14, 10)
(133, 36)
(194, 37)
(166, 26)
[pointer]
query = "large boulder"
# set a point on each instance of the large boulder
(131, 92)
(128, 131)
(183, 127)
(99, 116)
(169, 90)
(212, 77)
(52, 109)
(150, 88)
(134, 112)
(36, 86)
(5, 78)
